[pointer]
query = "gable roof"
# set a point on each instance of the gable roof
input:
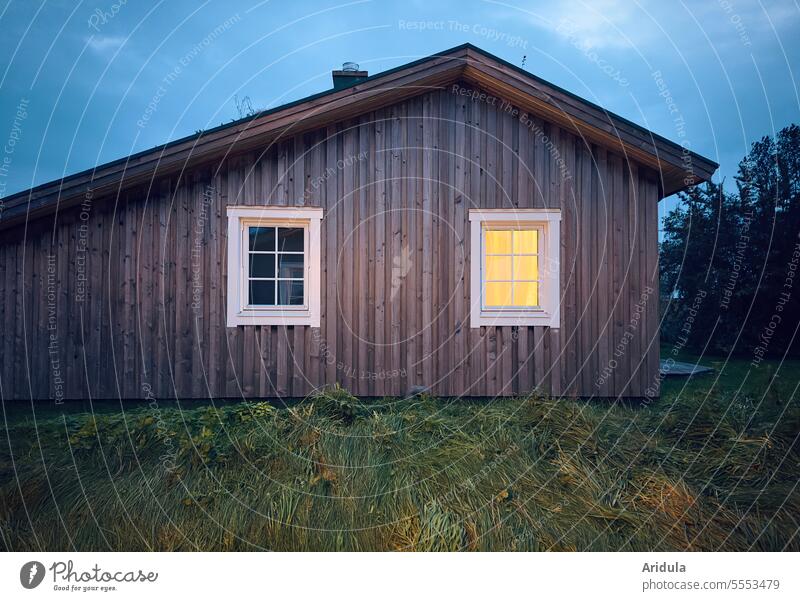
(677, 167)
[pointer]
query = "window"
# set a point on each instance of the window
(276, 256)
(514, 267)
(273, 265)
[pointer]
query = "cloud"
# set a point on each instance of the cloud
(610, 24)
(103, 44)
(596, 24)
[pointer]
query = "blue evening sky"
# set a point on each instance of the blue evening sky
(82, 83)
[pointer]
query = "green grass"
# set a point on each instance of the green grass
(773, 380)
(703, 468)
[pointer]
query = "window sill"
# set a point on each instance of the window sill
(514, 318)
(272, 317)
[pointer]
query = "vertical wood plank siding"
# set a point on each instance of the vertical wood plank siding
(125, 297)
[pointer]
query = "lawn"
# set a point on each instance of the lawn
(712, 465)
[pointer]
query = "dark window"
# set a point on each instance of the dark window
(290, 239)
(290, 292)
(262, 265)
(276, 266)
(290, 266)
(262, 238)
(262, 292)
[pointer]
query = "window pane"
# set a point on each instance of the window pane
(262, 292)
(526, 268)
(498, 242)
(497, 294)
(262, 266)
(290, 238)
(526, 294)
(290, 292)
(290, 266)
(498, 268)
(262, 238)
(526, 242)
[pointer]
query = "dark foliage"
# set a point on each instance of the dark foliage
(729, 260)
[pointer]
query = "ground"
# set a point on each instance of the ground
(712, 465)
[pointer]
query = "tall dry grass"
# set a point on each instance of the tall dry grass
(422, 474)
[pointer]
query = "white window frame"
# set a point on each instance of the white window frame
(548, 223)
(239, 312)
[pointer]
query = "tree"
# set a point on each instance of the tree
(244, 106)
(728, 260)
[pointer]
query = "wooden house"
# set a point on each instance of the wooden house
(455, 224)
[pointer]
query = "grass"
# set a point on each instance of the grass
(702, 468)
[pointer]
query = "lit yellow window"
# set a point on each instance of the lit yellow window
(511, 268)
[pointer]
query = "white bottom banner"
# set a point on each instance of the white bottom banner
(400, 576)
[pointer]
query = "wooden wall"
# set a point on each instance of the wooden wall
(132, 302)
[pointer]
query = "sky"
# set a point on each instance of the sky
(83, 83)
